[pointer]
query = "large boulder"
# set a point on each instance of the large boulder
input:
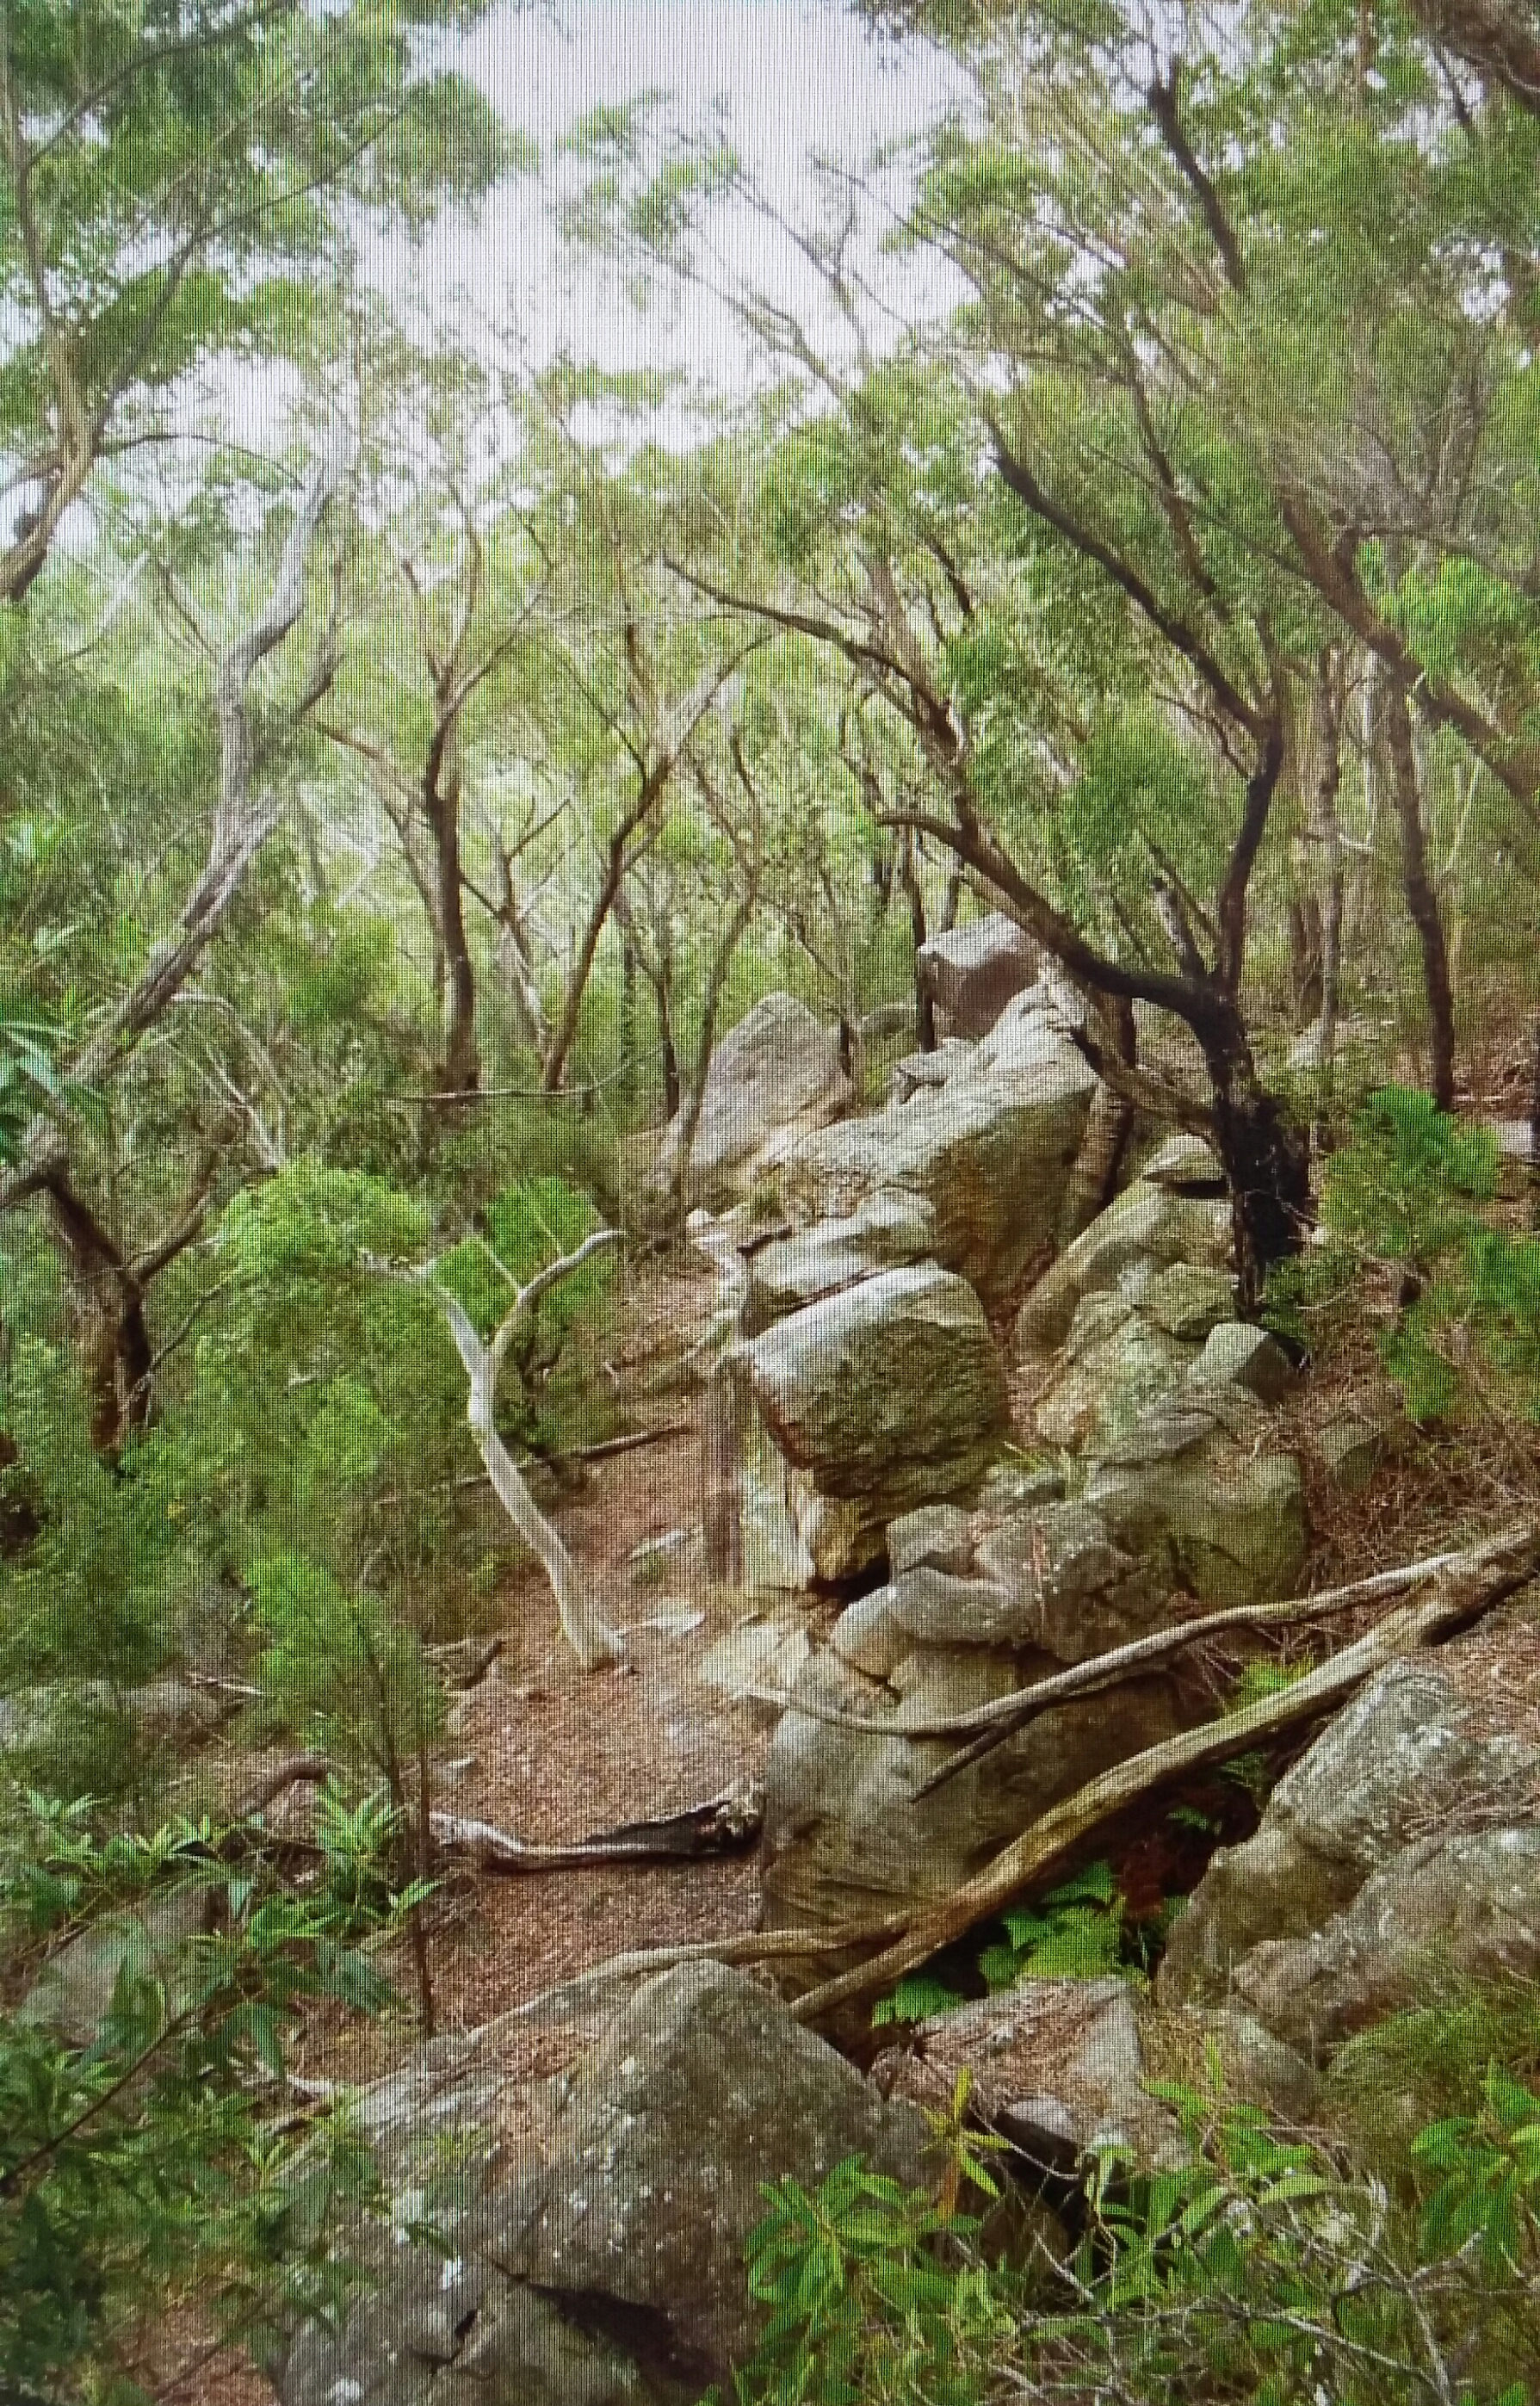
(979, 1604)
(1467, 1905)
(970, 973)
(1394, 1763)
(777, 1073)
(989, 1152)
(887, 1392)
(1192, 1487)
(890, 1231)
(1174, 1212)
(594, 2225)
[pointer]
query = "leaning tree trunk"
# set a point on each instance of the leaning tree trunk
(1417, 886)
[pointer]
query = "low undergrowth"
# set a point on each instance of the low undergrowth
(1377, 2262)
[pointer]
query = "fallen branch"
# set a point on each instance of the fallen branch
(995, 1722)
(728, 1825)
(557, 1454)
(990, 1725)
(1463, 1589)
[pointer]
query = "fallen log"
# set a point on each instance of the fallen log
(728, 1825)
(1464, 1587)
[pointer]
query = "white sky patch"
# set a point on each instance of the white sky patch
(788, 80)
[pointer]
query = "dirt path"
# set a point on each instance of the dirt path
(552, 1754)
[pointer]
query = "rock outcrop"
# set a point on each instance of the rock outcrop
(1396, 1842)
(979, 1604)
(592, 2227)
(987, 1152)
(881, 1395)
(777, 1074)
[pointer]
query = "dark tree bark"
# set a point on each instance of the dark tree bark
(108, 1290)
(1418, 887)
(461, 1070)
(924, 1002)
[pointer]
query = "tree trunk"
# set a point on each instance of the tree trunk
(924, 1003)
(1417, 885)
(461, 1073)
(711, 1005)
(1325, 828)
(1266, 1157)
(107, 1310)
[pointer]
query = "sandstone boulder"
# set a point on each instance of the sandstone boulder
(1174, 1212)
(73, 1993)
(845, 1834)
(970, 973)
(1061, 2068)
(1192, 1489)
(989, 1152)
(887, 1392)
(777, 1072)
(891, 1231)
(596, 2223)
(979, 1604)
(1395, 1763)
(1467, 1905)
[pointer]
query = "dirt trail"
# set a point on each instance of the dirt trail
(552, 1754)
(558, 1754)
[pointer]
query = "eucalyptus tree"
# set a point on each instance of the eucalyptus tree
(180, 176)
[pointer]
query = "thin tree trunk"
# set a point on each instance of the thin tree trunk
(584, 1626)
(1417, 885)
(924, 1002)
(1326, 832)
(461, 1070)
(711, 1006)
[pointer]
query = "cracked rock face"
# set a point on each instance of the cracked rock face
(986, 1152)
(1360, 1875)
(777, 1072)
(890, 1382)
(596, 2224)
(979, 1604)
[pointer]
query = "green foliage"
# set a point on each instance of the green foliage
(1078, 1932)
(1489, 2189)
(337, 1668)
(1410, 1190)
(1404, 1186)
(161, 2158)
(861, 2307)
(1262, 2268)
(88, 1598)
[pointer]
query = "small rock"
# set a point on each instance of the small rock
(1245, 1357)
(1354, 1445)
(938, 1536)
(1187, 1301)
(971, 973)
